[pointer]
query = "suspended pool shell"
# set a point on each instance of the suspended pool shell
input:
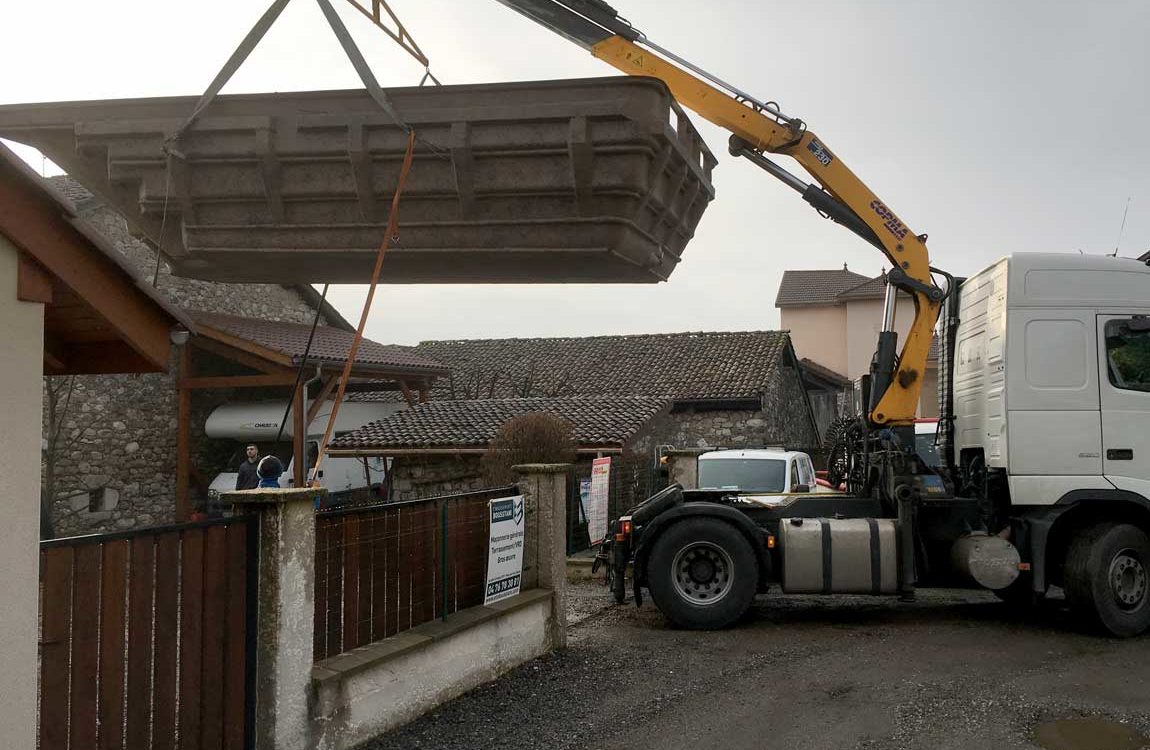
(596, 180)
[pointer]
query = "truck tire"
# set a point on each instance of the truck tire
(1107, 578)
(702, 574)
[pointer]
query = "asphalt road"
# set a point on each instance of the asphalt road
(952, 670)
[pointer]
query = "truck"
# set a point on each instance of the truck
(1042, 472)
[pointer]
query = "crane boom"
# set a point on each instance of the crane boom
(758, 128)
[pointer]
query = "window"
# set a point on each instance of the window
(743, 474)
(1128, 353)
(794, 475)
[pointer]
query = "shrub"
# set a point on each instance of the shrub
(535, 438)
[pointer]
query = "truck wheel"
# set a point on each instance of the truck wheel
(1108, 577)
(702, 574)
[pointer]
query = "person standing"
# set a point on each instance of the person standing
(248, 478)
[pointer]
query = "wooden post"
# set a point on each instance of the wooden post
(183, 441)
(299, 437)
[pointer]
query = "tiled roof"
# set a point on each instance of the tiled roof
(815, 287)
(684, 366)
(330, 344)
(870, 289)
(826, 373)
(595, 422)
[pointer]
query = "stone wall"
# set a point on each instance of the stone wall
(413, 477)
(118, 435)
(788, 411)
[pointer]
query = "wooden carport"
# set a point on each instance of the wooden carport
(270, 354)
(69, 305)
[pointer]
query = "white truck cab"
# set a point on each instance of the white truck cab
(1052, 375)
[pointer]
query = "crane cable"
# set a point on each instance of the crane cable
(389, 235)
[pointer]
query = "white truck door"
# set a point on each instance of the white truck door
(1124, 384)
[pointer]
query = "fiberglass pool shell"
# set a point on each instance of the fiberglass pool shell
(593, 180)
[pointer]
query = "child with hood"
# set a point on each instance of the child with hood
(269, 470)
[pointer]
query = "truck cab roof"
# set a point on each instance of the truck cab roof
(775, 454)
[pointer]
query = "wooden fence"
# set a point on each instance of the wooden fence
(384, 569)
(146, 638)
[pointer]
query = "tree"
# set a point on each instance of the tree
(534, 438)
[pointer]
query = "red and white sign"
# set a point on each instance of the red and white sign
(597, 502)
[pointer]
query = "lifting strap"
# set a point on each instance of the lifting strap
(253, 38)
(389, 234)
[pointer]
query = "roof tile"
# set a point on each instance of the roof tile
(330, 344)
(681, 365)
(604, 421)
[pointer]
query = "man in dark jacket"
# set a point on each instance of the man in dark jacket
(247, 478)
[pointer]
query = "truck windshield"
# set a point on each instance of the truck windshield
(743, 474)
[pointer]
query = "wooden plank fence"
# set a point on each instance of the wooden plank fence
(384, 569)
(146, 638)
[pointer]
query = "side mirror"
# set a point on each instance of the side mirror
(801, 488)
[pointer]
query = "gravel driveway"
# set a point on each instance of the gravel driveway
(953, 670)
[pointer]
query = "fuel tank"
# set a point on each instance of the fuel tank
(839, 556)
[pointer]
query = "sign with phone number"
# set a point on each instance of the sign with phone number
(505, 549)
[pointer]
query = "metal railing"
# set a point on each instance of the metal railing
(383, 569)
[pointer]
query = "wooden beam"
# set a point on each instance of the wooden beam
(407, 394)
(183, 439)
(299, 436)
(55, 357)
(38, 227)
(104, 358)
(246, 358)
(324, 395)
(33, 283)
(237, 381)
(235, 342)
(424, 394)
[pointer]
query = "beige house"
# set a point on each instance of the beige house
(834, 317)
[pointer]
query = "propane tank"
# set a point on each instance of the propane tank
(990, 561)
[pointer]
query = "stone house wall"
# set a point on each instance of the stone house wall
(118, 437)
(414, 477)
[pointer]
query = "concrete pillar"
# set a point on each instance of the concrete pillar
(22, 352)
(683, 467)
(286, 612)
(544, 490)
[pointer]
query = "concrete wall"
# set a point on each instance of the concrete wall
(21, 351)
(818, 333)
(417, 670)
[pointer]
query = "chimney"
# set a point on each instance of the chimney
(844, 266)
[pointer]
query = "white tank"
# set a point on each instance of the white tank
(260, 420)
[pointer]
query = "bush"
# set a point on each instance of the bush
(535, 438)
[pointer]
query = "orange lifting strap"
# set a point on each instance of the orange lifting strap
(392, 230)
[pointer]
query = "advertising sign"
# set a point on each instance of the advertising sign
(505, 549)
(597, 502)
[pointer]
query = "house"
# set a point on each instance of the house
(834, 318)
(125, 451)
(436, 447)
(70, 306)
(727, 389)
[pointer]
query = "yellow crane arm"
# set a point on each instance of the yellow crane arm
(758, 128)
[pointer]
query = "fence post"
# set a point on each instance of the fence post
(544, 490)
(286, 616)
(683, 467)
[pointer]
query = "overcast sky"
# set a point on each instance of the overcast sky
(994, 126)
